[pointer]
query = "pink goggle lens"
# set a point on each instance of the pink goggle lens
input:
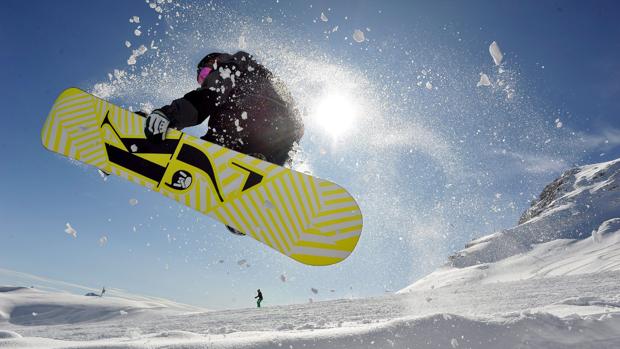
(202, 75)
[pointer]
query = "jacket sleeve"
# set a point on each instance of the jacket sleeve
(190, 110)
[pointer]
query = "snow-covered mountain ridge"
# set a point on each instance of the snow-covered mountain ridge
(572, 228)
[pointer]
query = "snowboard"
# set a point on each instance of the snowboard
(308, 219)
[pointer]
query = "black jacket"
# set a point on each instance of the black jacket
(248, 109)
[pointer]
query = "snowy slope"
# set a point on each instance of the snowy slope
(30, 306)
(550, 282)
(573, 228)
(58, 289)
(579, 311)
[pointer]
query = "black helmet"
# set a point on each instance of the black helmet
(207, 60)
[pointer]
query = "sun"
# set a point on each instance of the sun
(335, 113)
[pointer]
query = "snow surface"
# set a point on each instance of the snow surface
(569, 311)
(550, 282)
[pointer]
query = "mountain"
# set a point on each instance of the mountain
(572, 228)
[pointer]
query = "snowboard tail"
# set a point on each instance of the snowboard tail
(309, 219)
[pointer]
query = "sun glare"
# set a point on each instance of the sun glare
(335, 113)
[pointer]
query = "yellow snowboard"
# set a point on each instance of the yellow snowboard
(311, 220)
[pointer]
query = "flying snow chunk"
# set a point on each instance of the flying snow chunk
(428, 85)
(608, 227)
(269, 19)
(69, 230)
(454, 343)
(225, 73)
(134, 19)
(133, 202)
(358, 36)
(244, 115)
(484, 80)
(127, 44)
(101, 173)
(335, 29)
(242, 43)
(323, 17)
(596, 236)
(103, 241)
(496, 53)
(558, 123)
(137, 32)
(135, 54)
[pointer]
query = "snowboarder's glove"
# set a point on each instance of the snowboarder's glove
(156, 126)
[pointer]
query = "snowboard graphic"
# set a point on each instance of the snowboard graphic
(311, 220)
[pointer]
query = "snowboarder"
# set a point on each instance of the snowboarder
(259, 298)
(102, 291)
(249, 110)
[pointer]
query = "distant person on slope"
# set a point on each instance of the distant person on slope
(249, 110)
(102, 291)
(259, 298)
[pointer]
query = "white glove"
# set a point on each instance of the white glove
(156, 126)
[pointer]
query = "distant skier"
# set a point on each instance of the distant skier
(249, 110)
(102, 291)
(259, 298)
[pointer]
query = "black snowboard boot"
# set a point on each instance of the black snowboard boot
(235, 231)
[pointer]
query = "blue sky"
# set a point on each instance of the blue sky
(433, 159)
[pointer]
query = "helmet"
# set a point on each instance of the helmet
(207, 61)
(205, 66)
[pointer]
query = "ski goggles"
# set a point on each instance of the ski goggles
(202, 74)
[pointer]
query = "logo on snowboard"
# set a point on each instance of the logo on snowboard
(187, 154)
(181, 180)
